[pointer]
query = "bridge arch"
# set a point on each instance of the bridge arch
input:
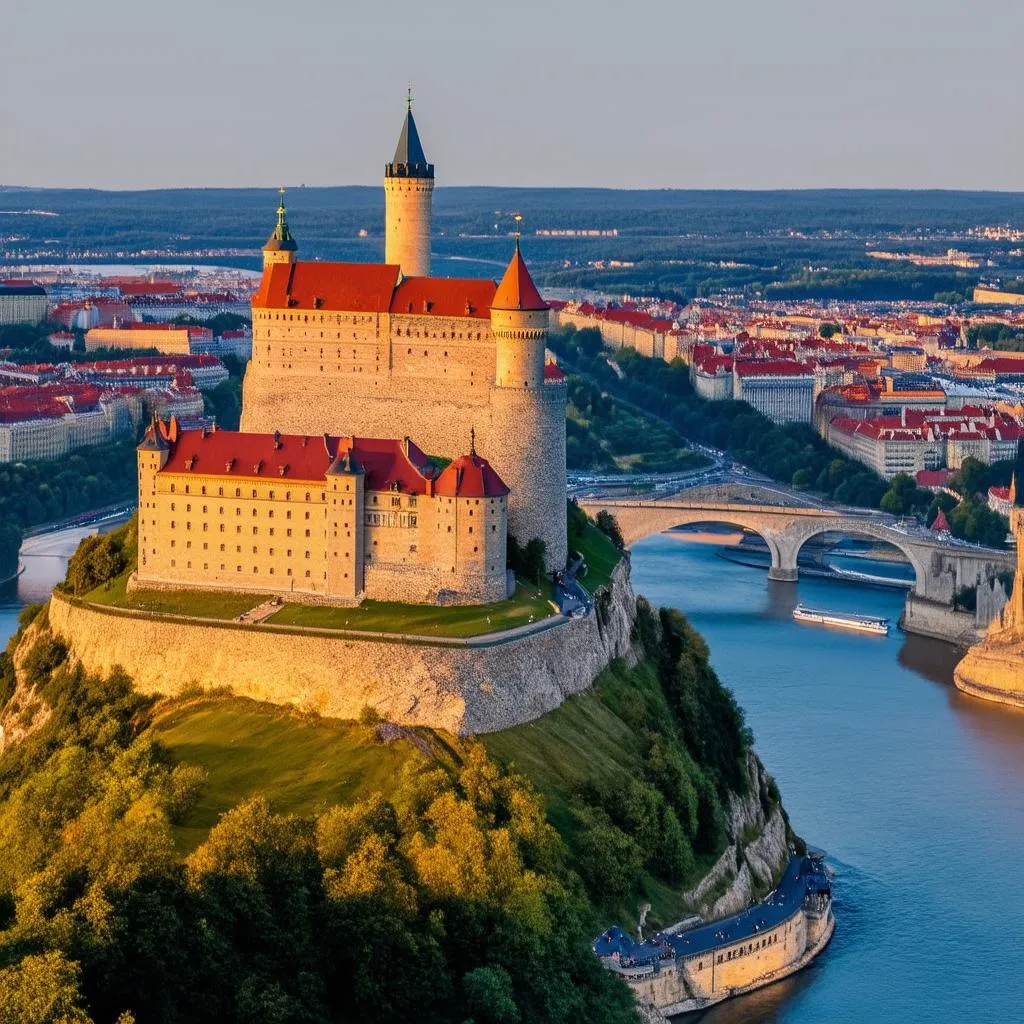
(798, 535)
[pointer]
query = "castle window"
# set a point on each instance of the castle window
(238, 529)
(238, 568)
(288, 514)
(188, 508)
(449, 529)
(222, 548)
(188, 565)
(271, 531)
(173, 563)
(188, 526)
(307, 497)
(255, 530)
(221, 527)
(289, 552)
(220, 493)
(204, 491)
(271, 551)
(172, 543)
(307, 554)
(204, 510)
(289, 531)
(172, 488)
(172, 506)
(238, 549)
(188, 544)
(474, 548)
(238, 492)
(172, 524)
(289, 572)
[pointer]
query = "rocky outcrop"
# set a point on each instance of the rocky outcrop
(756, 856)
(475, 687)
(26, 712)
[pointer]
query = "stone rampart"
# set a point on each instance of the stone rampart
(938, 621)
(477, 686)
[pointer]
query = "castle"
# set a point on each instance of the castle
(373, 349)
(359, 372)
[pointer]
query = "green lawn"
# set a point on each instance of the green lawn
(302, 763)
(601, 556)
(424, 620)
(209, 604)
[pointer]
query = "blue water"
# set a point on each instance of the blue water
(916, 792)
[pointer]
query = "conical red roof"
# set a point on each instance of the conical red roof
(940, 524)
(470, 477)
(517, 290)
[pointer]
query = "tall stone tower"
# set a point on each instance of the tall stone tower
(528, 415)
(408, 188)
(280, 247)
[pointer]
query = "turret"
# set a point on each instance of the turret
(281, 246)
(519, 323)
(527, 440)
(408, 188)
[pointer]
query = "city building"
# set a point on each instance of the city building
(49, 420)
(22, 302)
(168, 339)
(328, 519)
(782, 390)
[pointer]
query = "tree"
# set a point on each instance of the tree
(489, 996)
(971, 478)
(41, 989)
(609, 526)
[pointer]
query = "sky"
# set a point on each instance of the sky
(624, 94)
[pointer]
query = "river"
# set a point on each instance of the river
(916, 791)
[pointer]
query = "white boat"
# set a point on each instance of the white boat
(861, 623)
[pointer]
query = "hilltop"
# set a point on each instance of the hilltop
(207, 857)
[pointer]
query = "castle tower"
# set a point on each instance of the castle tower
(281, 246)
(408, 187)
(527, 439)
(152, 454)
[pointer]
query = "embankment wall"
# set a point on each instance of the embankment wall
(464, 689)
(939, 621)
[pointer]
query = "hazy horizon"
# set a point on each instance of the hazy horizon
(797, 95)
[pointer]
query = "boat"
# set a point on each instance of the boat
(861, 623)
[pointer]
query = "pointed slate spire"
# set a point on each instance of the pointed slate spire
(281, 237)
(409, 161)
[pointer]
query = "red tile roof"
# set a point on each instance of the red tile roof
(470, 477)
(771, 368)
(293, 457)
(343, 287)
(517, 290)
(444, 296)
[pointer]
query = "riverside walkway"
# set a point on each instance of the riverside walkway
(804, 876)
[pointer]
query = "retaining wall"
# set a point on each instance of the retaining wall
(481, 686)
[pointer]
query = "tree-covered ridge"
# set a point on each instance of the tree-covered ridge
(459, 890)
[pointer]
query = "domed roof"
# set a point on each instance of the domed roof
(517, 290)
(470, 476)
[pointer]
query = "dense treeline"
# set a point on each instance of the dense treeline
(32, 493)
(791, 453)
(603, 434)
(450, 898)
(998, 336)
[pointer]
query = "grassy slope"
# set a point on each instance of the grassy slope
(204, 603)
(302, 762)
(305, 763)
(600, 554)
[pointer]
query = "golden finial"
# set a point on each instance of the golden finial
(518, 218)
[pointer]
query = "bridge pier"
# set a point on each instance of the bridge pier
(782, 575)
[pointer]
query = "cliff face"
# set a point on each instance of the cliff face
(756, 855)
(26, 711)
(461, 689)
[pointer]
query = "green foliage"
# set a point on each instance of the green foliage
(526, 561)
(609, 526)
(829, 330)
(453, 881)
(996, 336)
(32, 493)
(971, 478)
(973, 520)
(904, 497)
(102, 557)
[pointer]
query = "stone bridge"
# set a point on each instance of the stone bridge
(941, 567)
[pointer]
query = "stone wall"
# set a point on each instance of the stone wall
(473, 687)
(938, 620)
